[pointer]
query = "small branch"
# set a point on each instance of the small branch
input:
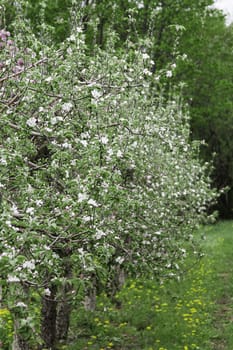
(46, 93)
(43, 60)
(35, 166)
(16, 127)
(129, 129)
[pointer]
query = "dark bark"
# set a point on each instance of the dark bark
(63, 319)
(90, 298)
(48, 322)
(64, 305)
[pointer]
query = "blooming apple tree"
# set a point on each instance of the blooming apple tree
(97, 175)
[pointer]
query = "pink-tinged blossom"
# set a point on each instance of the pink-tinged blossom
(4, 34)
(20, 62)
(10, 42)
(17, 69)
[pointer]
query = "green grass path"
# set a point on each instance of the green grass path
(219, 247)
(195, 313)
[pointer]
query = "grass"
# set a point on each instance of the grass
(194, 313)
(220, 243)
(190, 314)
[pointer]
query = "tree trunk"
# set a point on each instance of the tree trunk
(116, 281)
(18, 342)
(48, 322)
(90, 297)
(63, 316)
(64, 306)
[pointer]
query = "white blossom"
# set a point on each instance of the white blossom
(30, 210)
(30, 265)
(21, 304)
(119, 154)
(69, 51)
(55, 120)
(8, 223)
(82, 197)
(66, 107)
(3, 161)
(104, 140)
(145, 56)
(158, 233)
(84, 143)
(15, 210)
(99, 234)
(96, 94)
(12, 279)
(120, 259)
(72, 38)
(49, 79)
(110, 152)
(39, 202)
(147, 72)
(81, 251)
(169, 74)
(31, 122)
(92, 202)
(140, 5)
(86, 218)
(67, 145)
(79, 29)
(47, 292)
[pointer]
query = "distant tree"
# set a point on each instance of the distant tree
(207, 73)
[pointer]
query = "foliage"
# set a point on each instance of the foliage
(6, 329)
(98, 175)
(49, 20)
(163, 29)
(207, 74)
(130, 19)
